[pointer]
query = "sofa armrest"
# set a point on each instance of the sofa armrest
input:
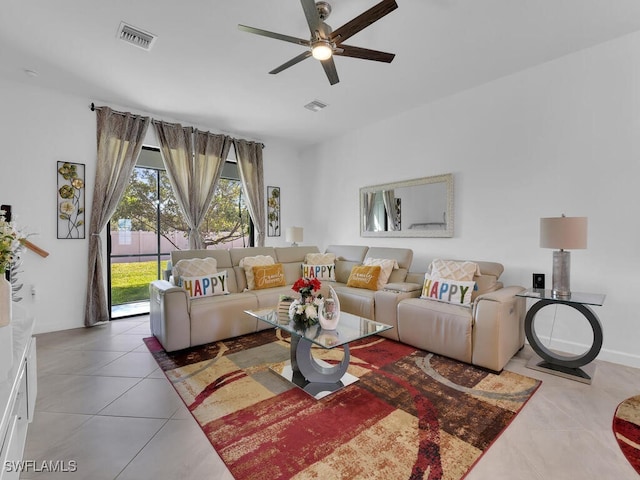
(386, 307)
(498, 331)
(505, 294)
(169, 315)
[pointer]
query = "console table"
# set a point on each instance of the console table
(18, 389)
(575, 367)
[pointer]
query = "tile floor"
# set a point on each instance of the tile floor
(104, 403)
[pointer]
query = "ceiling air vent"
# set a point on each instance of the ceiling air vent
(315, 106)
(135, 36)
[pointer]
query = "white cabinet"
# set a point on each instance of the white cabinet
(18, 390)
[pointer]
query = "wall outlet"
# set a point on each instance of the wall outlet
(538, 280)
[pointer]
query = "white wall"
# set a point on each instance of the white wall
(38, 128)
(563, 137)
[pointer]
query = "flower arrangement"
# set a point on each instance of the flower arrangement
(10, 243)
(304, 311)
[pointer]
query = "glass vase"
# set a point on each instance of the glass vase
(329, 311)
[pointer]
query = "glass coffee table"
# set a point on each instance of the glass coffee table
(317, 377)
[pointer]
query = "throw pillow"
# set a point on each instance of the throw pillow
(206, 285)
(320, 258)
(454, 270)
(194, 267)
(268, 276)
(364, 276)
(386, 267)
(247, 263)
(321, 272)
(447, 290)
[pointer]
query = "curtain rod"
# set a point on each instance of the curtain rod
(93, 108)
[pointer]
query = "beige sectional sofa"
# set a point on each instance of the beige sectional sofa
(487, 333)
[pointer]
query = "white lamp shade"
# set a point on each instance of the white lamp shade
(566, 233)
(293, 234)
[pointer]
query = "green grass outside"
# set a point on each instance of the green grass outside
(130, 281)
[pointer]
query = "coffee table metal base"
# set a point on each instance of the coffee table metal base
(316, 377)
(317, 390)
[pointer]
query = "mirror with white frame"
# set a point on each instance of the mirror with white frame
(422, 207)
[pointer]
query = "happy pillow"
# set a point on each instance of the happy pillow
(457, 292)
(268, 276)
(363, 276)
(206, 285)
(321, 272)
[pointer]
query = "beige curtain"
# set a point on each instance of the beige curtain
(369, 201)
(194, 161)
(120, 137)
(390, 205)
(210, 154)
(249, 155)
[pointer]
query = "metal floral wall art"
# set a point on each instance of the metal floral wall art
(71, 213)
(273, 211)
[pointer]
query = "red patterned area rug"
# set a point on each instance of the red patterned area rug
(411, 415)
(626, 427)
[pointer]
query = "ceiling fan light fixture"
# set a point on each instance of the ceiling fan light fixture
(321, 50)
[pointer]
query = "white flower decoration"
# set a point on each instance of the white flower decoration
(67, 208)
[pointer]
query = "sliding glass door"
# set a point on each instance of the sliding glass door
(148, 224)
(144, 229)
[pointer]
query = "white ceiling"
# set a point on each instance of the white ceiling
(203, 70)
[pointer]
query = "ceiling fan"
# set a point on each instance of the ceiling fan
(324, 42)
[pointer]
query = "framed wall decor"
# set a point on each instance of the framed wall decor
(273, 211)
(70, 202)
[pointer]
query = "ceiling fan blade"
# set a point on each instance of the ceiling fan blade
(277, 36)
(311, 12)
(364, 53)
(291, 62)
(330, 69)
(363, 20)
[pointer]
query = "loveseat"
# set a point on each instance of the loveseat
(487, 332)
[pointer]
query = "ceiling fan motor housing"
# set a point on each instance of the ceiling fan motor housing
(324, 10)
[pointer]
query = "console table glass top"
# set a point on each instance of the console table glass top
(350, 328)
(576, 297)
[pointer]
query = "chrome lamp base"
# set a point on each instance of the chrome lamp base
(561, 274)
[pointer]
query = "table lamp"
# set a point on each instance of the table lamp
(293, 235)
(563, 233)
